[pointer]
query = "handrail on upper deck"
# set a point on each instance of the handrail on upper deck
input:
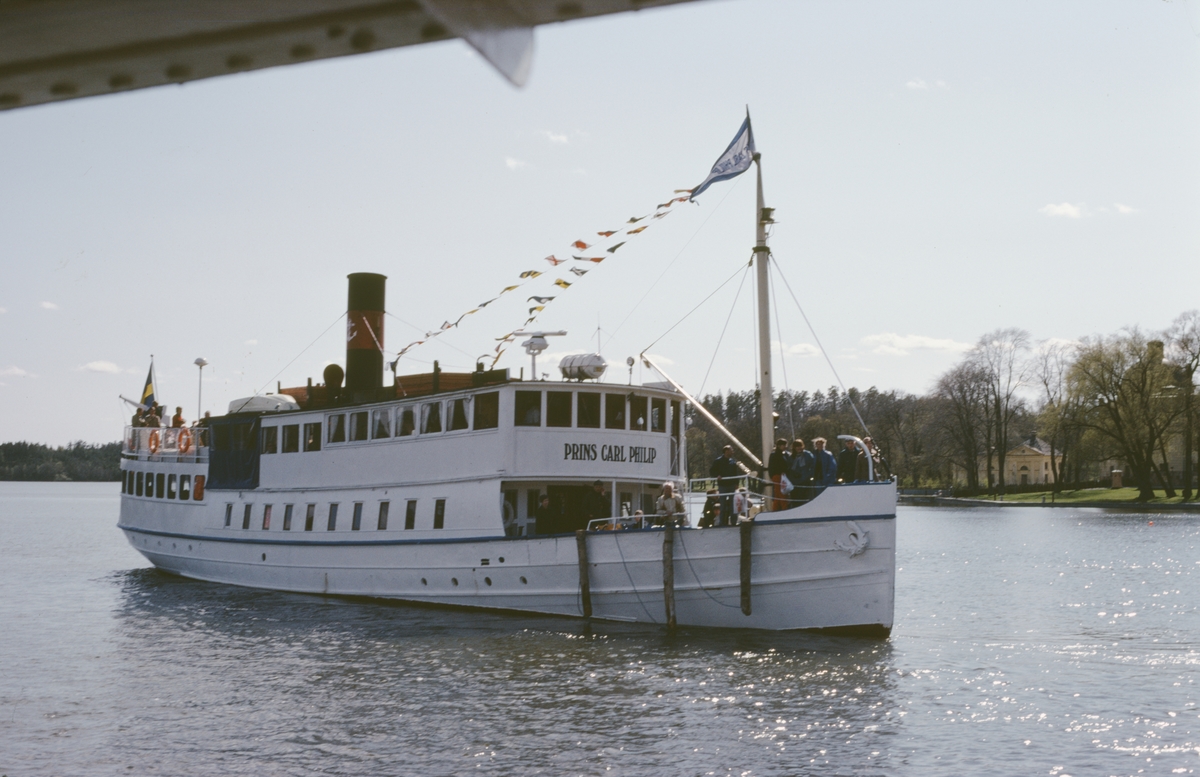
(171, 441)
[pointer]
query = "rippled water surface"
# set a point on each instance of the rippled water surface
(1028, 641)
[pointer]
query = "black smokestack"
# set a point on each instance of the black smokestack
(364, 332)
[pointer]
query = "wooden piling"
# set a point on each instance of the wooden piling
(669, 573)
(745, 529)
(585, 588)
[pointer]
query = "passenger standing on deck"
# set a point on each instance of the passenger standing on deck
(711, 511)
(777, 467)
(727, 472)
(825, 472)
(800, 472)
(139, 419)
(177, 421)
(847, 462)
(597, 505)
(547, 520)
(669, 505)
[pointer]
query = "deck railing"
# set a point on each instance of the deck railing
(155, 442)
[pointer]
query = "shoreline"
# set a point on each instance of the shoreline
(1141, 507)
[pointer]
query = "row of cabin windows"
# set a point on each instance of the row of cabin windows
(619, 411)
(288, 438)
(331, 516)
(585, 410)
(452, 415)
(162, 485)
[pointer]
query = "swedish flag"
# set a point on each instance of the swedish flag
(148, 390)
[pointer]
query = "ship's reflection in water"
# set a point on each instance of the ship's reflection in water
(303, 685)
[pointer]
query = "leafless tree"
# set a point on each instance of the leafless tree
(1002, 355)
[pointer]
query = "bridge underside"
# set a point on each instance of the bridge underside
(54, 50)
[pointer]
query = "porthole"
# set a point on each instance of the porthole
(502, 559)
(523, 580)
(454, 580)
(172, 546)
(189, 547)
(424, 581)
(487, 580)
(264, 556)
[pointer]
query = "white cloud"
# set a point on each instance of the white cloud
(892, 344)
(251, 342)
(15, 372)
(556, 137)
(799, 349)
(1064, 210)
(3, 311)
(102, 366)
(917, 83)
(943, 85)
(513, 164)
(1124, 210)
(49, 306)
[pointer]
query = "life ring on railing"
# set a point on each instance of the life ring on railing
(185, 440)
(154, 441)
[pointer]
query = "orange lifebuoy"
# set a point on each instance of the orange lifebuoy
(185, 440)
(154, 441)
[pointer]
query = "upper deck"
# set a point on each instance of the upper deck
(550, 431)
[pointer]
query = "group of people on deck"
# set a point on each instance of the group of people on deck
(797, 473)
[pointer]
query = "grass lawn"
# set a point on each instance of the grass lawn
(1086, 495)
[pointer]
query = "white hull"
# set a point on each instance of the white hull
(828, 564)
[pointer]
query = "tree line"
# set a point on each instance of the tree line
(76, 461)
(1120, 399)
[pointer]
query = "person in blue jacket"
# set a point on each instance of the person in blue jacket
(825, 470)
(800, 472)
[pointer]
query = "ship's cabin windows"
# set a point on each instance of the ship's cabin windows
(588, 415)
(384, 508)
(310, 513)
(270, 439)
(356, 521)
(381, 423)
(287, 517)
(431, 417)
(149, 484)
(358, 426)
(228, 514)
(614, 411)
(312, 436)
(291, 439)
(487, 410)
(558, 408)
(458, 414)
(658, 414)
(246, 516)
(336, 428)
(439, 514)
(527, 410)
(266, 517)
(637, 413)
(160, 482)
(675, 418)
(410, 515)
(405, 422)
(331, 525)
(172, 486)
(139, 484)
(185, 486)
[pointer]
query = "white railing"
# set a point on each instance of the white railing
(165, 441)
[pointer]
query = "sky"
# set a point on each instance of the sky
(938, 170)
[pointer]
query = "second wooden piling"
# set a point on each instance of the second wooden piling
(669, 573)
(585, 588)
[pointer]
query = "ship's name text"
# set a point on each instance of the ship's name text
(631, 454)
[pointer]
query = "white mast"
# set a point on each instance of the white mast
(761, 255)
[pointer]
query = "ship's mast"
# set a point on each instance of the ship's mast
(761, 256)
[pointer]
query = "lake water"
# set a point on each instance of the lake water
(1028, 642)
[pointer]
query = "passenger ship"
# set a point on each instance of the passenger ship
(424, 491)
